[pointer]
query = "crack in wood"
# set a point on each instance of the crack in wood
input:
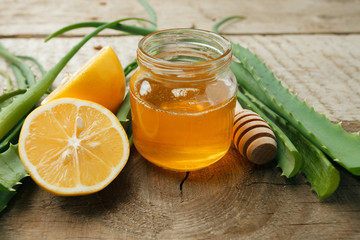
(182, 182)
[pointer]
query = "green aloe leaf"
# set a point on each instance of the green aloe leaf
(151, 12)
(8, 97)
(41, 68)
(319, 172)
(217, 25)
(5, 100)
(20, 79)
(5, 197)
(11, 172)
(119, 27)
(341, 146)
(11, 137)
(124, 112)
(11, 169)
(24, 69)
(10, 86)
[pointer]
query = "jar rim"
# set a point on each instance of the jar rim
(219, 39)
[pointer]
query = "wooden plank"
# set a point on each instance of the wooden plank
(323, 69)
(229, 199)
(262, 16)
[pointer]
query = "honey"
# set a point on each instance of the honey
(183, 102)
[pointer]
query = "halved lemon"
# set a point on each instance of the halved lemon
(73, 147)
(101, 79)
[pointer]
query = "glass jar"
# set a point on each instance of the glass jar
(183, 98)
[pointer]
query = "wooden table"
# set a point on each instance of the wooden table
(314, 46)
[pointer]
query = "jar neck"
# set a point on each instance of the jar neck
(184, 54)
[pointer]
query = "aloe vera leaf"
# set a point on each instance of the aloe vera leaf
(11, 172)
(41, 68)
(5, 197)
(13, 113)
(245, 79)
(96, 24)
(29, 76)
(5, 100)
(131, 140)
(124, 116)
(11, 169)
(11, 137)
(217, 25)
(319, 172)
(129, 68)
(287, 156)
(341, 146)
(10, 86)
(151, 12)
(124, 112)
(8, 97)
(20, 79)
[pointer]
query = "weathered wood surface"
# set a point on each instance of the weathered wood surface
(232, 199)
(39, 17)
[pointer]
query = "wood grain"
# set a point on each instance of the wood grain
(262, 16)
(313, 46)
(230, 199)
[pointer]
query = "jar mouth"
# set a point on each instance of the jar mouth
(182, 48)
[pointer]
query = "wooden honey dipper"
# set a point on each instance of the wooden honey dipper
(253, 137)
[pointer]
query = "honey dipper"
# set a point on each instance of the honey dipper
(253, 137)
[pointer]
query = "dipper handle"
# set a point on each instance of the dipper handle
(253, 137)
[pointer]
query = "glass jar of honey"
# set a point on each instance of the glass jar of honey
(183, 98)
